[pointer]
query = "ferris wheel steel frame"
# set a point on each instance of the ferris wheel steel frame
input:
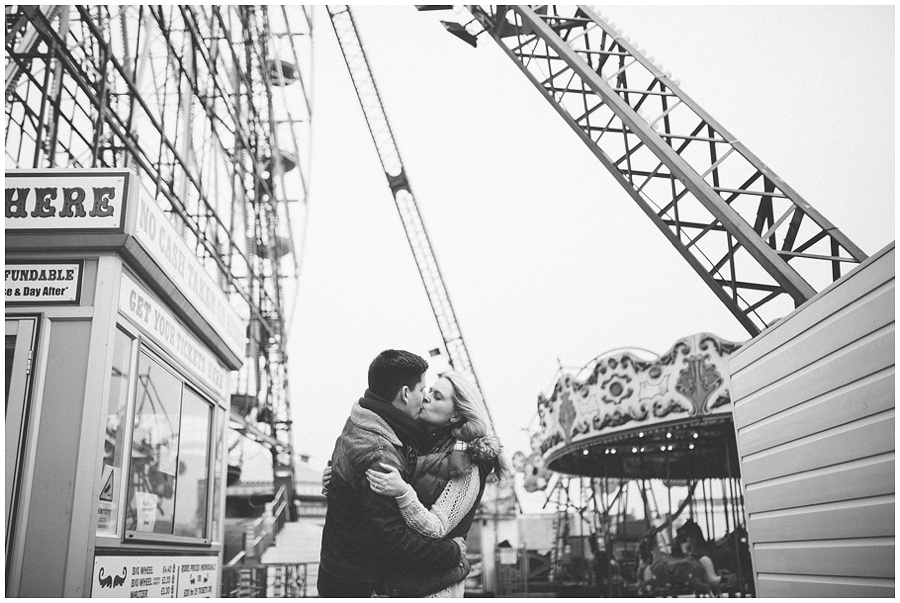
(197, 101)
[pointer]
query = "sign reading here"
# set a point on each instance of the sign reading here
(70, 200)
(43, 283)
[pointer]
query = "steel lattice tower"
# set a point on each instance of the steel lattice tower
(392, 163)
(759, 246)
(210, 106)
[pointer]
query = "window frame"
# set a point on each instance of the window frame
(141, 344)
(130, 394)
(210, 459)
(20, 417)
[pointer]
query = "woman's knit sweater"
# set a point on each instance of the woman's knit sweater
(452, 505)
(463, 476)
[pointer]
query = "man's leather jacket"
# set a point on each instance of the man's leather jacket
(365, 535)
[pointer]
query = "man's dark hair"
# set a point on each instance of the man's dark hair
(392, 369)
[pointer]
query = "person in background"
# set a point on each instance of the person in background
(448, 483)
(365, 540)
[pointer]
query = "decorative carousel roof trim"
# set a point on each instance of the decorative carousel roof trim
(619, 394)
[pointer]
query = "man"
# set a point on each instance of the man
(365, 539)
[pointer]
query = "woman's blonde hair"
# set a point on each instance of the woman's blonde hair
(474, 421)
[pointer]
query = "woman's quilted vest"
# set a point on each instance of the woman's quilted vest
(433, 472)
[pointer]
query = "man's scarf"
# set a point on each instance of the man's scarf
(407, 429)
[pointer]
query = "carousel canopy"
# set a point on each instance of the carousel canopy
(623, 416)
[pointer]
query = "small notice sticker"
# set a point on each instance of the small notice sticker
(146, 507)
(107, 501)
(106, 492)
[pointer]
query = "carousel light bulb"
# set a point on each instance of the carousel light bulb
(642, 448)
(585, 452)
(669, 435)
(612, 451)
(691, 447)
(696, 435)
(670, 447)
(634, 450)
(641, 434)
(662, 448)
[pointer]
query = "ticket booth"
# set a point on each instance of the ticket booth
(119, 351)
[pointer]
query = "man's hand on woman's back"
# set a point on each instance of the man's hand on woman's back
(326, 478)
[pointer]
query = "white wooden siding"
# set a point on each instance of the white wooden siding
(814, 414)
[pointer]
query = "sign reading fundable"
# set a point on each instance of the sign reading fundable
(43, 282)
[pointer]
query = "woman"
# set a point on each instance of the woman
(696, 546)
(449, 480)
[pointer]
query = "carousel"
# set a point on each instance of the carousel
(637, 453)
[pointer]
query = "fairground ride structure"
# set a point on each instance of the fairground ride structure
(624, 423)
(394, 170)
(760, 247)
(210, 107)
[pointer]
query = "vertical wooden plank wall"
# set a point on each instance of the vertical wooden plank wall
(814, 414)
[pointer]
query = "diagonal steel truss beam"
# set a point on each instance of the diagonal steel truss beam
(389, 154)
(759, 246)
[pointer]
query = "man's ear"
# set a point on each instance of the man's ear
(404, 394)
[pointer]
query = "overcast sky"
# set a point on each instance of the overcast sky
(545, 257)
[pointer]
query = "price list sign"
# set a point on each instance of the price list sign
(197, 576)
(155, 577)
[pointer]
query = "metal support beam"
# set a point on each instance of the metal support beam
(621, 105)
(389, 154)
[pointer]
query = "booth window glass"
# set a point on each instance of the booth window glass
(154, 451)
(193, 467)
(168, 487)
(114, 436)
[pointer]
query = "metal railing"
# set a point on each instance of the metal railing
(262, 533)
(245, 577)
(260, 581)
